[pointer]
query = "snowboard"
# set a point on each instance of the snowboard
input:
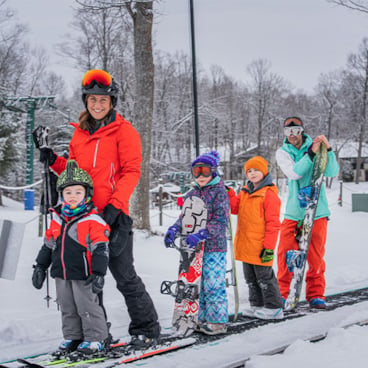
(187, 287)
(309, 196)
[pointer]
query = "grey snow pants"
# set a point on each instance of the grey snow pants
(82, 316)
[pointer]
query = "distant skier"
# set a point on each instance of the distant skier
(258, 209)
(76, 247)
(213, 304)
(295, 159)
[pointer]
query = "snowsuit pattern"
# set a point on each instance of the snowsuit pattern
(213, 298)
(213, 304)
(297, 165)
(217, 202)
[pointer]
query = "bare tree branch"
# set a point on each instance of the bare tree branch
(360, 5)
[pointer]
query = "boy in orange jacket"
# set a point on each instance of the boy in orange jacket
(258, 209)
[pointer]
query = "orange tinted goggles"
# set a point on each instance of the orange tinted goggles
(203, 170)
(96, 76)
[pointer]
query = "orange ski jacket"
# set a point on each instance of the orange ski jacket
(112, 156)
(258, 223)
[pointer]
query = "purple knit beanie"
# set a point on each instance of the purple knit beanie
(211, 158)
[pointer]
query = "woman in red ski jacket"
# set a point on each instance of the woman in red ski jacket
(108, 147)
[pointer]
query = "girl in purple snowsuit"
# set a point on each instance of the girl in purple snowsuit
(213, 304)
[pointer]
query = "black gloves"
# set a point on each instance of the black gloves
(97, 282)
(110, 214)
(47, 155)
(38, 277)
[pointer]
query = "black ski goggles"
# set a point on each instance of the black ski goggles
(96, 76)
(203, 170)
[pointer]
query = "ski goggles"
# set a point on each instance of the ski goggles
(293, 130)
(203, 170)
(96, 76)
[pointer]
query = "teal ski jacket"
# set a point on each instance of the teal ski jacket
(297, 165)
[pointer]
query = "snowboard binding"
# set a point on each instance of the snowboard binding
(181, 291)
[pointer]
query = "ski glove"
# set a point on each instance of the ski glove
(230, 192)
(170, 236)
(193, 239)
(110, 214)
(266, 255)
(38, 277)
(47, 155)
(97, 282)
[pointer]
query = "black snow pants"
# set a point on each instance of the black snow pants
(263, 287)
(143, 315)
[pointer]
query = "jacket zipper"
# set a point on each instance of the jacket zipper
(111, 179)
(62, 252)
(86, 270)
(95, 155)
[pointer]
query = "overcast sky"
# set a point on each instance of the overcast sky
(301, 38)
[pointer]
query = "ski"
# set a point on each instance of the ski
(296, 260)
(133, 355)
(233, 277)
(107, 360)
(118, 354)
(60, 359)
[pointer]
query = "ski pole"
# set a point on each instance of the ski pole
(41, 136)
(47, 202)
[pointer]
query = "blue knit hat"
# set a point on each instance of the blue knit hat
(211, 158)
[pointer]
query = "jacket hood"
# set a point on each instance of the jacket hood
(266, 182)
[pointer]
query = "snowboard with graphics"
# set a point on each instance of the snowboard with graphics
(187, 287)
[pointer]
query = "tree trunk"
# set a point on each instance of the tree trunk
(143, 107)
(363, 120)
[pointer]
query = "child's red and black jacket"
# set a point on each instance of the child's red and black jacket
(75, 247)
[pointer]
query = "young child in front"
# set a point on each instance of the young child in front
(76, 247)
(258, 209)
(213, 304)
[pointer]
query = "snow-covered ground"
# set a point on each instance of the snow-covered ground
(27, 326)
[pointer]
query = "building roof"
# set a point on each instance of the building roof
(166, 188)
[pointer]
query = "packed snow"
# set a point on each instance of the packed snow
(28, 326)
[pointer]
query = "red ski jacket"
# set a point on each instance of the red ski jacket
(112, 156)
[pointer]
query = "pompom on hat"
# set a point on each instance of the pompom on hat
(211, 158)
(257, 162)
